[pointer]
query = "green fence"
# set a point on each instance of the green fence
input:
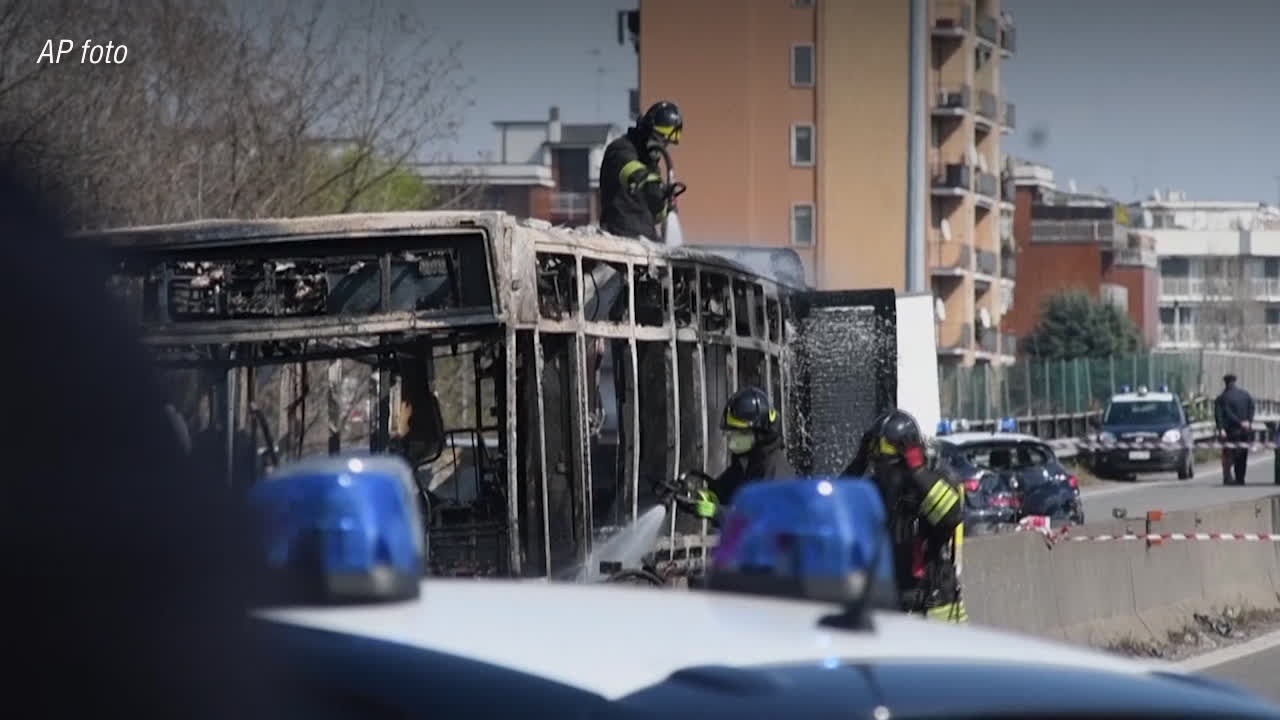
(1061, 387)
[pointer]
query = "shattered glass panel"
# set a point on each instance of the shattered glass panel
(838, 359)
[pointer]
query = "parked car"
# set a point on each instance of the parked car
(1009, 476)
(1145, 432)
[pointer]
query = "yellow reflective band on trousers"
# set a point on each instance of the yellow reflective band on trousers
(941, 498)
(951, 612)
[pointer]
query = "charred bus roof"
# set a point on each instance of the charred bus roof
(361, 274)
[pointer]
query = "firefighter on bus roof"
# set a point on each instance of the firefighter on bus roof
(926, 515)
(634, 198)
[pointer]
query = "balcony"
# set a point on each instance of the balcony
(1008, 344)
(988, 262)
(1008, 188)
(1105, 232)
(1008, 245)
(1181, 286)
(988, 340)
(988, 184)
(949, 258)
(1009, 118)
(1196, 287)
(988, 110)
(952, 179)
(955, 338)
(952, 18)
(953, 101)
(1008, 38)
(1177, 334)
(566, 206)
(1008, 266)
(1133, 257)
(988, 29)
(1264, 287)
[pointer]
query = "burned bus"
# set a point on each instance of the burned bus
(541, 381)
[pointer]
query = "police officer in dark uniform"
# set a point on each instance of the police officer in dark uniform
(754, 432)
(1233, 415)
(634, 199)
(926, 515)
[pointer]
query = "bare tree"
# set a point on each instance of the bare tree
(1230, 318)
(279, 110)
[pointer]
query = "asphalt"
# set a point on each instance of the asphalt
(1166, 492)
(1253, 666)
(1257, 672)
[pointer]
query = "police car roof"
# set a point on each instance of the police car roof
(1143, 397)
(971, 438)
(614, 640)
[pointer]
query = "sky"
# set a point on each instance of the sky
(1127, 95)
(1132, 95)
(524, 56)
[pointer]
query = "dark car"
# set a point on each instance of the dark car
(1144, 432)
(1008, 476)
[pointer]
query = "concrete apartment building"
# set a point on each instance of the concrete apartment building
(543, 169)
(1219, 271)
(1069, 240)
(796, 122)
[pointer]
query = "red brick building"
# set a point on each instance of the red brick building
(1068, 240)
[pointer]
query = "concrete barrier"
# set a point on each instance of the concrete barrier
(1097, 593)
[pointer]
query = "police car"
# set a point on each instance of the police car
(1145, 432)
(1007, 475)
(367, 636)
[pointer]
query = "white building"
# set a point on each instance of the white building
(1219, 271)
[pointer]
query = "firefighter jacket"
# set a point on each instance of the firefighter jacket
(633, 197)
(926, 527)
(766, 461)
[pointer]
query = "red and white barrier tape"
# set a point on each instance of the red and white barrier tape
(1041, 525)
(1095, 445)
(1161, 537)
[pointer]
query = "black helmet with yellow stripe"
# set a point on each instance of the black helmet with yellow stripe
(893, 434)
(662, 122)
(750, 409)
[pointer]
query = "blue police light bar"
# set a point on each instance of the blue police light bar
(1164, 388)
(341, 529)
(946, 427)
(1125, 388)
(821, 539)
(1009, 425)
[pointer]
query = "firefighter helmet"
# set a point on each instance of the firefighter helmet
(750, 409)
(893, 433)
(663, 122)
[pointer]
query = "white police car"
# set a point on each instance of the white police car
(363, 642)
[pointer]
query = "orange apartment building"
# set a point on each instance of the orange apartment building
(796, 124)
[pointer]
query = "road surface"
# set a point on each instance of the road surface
(1166, 492)
(1255, 665)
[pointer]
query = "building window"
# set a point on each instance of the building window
(1175, 267)
(802, 145)
(802, 225)
(802, 65)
